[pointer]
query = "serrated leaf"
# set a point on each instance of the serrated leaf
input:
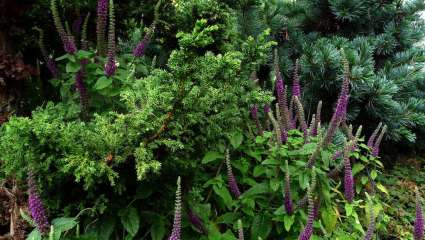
(130, 220)
(72, 67)
(382, 188)
(103, 82)
(288, 221)
(236, 139)
(211, 157)
(34, 235)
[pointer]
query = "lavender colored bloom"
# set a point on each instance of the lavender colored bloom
(67, 40)
(317, 119)
(301, 118)
(82, 90)
(51, 65)
(176, 232)
(69, 44)
(348, 176)
(102, 15)
(233, 185)
(287, 192)
(110, 66)
(296, 87)
(196, 221)
(36, 207)
(308, 229)
(375, 149)
(372, 137)
(282, 101)
(371, 228)
(141, 47)
(283, 134)
(240, 230)
(254, 115)
(418, 232)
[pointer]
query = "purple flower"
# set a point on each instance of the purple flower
(82, 90)
(296, 87)
(233, 185)
(69, 44)
(375, 149)
(110, 66)
(102, 15)
(51, 65)
(418, 233)
(141, 47)
(254, 115)
(317, 119)
(196, 221)
(348, 176)
(266, 108)
(287, 191)
(240, 230)
(308, 229)
(301, 118)
(36, 207)
(176, 232)
(371, 227)
(282, 134)
(67, 40)
(282, 101)
(372, 137)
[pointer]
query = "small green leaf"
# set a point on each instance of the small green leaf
(373, 174)
(288, 221)
(329, 219)
(236, 139)
(382, 188)
(211, 156)
(103, 82)
(348, 209)
(64, 224)
(72, 67)
(34, 235)
(130, 220)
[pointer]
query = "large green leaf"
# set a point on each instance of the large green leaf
(130, 220)
(261, 227)
(158, 229)
(236, 139)
(224, 193)
(34, 235)
(103, 82)
(211, 157)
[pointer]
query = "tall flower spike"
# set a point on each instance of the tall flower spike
(82, 90)
(140, 49)
(36, 207)
(196, 221)
(348, 174)
(84, 41)
(266, 113)
(275, 126)
(372, 224)
(287, 192)
(376, 145)
(233, 185)
(338, 115)
(67, 40)
(281, 96)
(308, 229)
(240, 230)
(110, 66)
(254, 115)
(317, 119)
(296, 87)
(418, 232)
(50, 62)
(102, 16)
(301, 118)
(372, 137)
(282, 132)
(176, 232)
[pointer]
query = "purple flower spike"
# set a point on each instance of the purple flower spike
(110, 66)
(254, 115)
(233, 185)
(196, 221)
(176, 232)
(102, 15)
(375, 149)
(287, 191)
(141, 47)
(240, 230)
(372, 137)
(418, 233)
(308, 230)
(296, 87)
(36, 207)
(317, 119)
(266, 109)
(348, 175)
(371, 228)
